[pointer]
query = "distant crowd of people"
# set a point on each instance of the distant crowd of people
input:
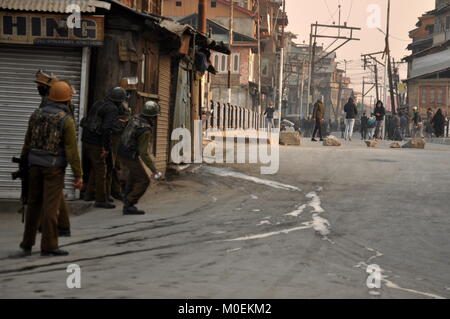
(375, 125)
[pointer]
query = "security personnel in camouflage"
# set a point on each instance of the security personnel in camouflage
(97, 145)
(50, 143)
(117, 173)
(44, 82)
(134, 147)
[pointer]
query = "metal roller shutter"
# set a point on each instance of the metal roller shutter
(19, 98)
(162, 134)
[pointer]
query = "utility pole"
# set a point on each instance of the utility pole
(280, 87)
(203, 88)
(231, 44)
(259, 57)
(312, 58)
(302, 88)
(376, 82)
(365, 92)
(388, 55)
(312, 40)
(338, 106)
(369, 59)
(363, 95)
(201, 23)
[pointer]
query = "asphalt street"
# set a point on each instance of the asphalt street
(309, 231)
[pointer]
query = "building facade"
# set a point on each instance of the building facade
(429, 64)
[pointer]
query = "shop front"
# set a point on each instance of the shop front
(30, 41)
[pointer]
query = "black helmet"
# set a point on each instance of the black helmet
(151, 109)
(117, 94)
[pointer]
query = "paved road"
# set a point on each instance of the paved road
(309, 231)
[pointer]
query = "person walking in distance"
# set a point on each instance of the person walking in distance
(429, 123)
(50, 143)
(270, 110)
(371, 124)
(438, 122)
(364, 128)
(417, 123)
(97, 144)
(350, 115)
(403, 125)
(133, 148)
(380, 113)
(318, 117)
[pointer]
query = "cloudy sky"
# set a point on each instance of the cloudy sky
(404, 14)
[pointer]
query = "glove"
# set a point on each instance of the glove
(157, 175)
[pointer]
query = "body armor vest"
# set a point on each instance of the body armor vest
(47, 131)
(93, 122)
(128, 145)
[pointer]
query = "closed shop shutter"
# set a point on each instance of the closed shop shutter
(19, 98)
(162, 133)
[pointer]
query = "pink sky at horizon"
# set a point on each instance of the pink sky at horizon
(404, 14)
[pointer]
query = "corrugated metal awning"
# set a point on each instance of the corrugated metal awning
(58, 6)
(430, 64)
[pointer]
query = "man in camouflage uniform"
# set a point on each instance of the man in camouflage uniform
(44, 82)
(134, 147)
(98, 130)
(116, 173)
(50, 144)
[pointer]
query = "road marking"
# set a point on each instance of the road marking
(298, 211)
(321, 225)
(392, 285)
(315, 202)
(233, 250)
(260, 236)
(229, 173)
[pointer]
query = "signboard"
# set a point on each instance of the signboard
(50, 29)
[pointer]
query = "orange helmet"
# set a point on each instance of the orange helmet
(61, 91)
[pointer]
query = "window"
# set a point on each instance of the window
(178, 3)
(235, 66)
(424, 96)
(265, 67)
(251, 67)
(432, 96)
(221, 63)
(150, 70)
(447, 23)
(440, 96)
(213, 4)
(224, 65)
(216, 62)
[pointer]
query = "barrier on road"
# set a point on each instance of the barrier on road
(224, 116)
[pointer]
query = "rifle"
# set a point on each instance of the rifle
(24, 174)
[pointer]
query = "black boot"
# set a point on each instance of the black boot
(26, 251)
(117, 196)
(54, 252)
(64, 232)
(105, 205)
(130, 209)
(88, 197)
